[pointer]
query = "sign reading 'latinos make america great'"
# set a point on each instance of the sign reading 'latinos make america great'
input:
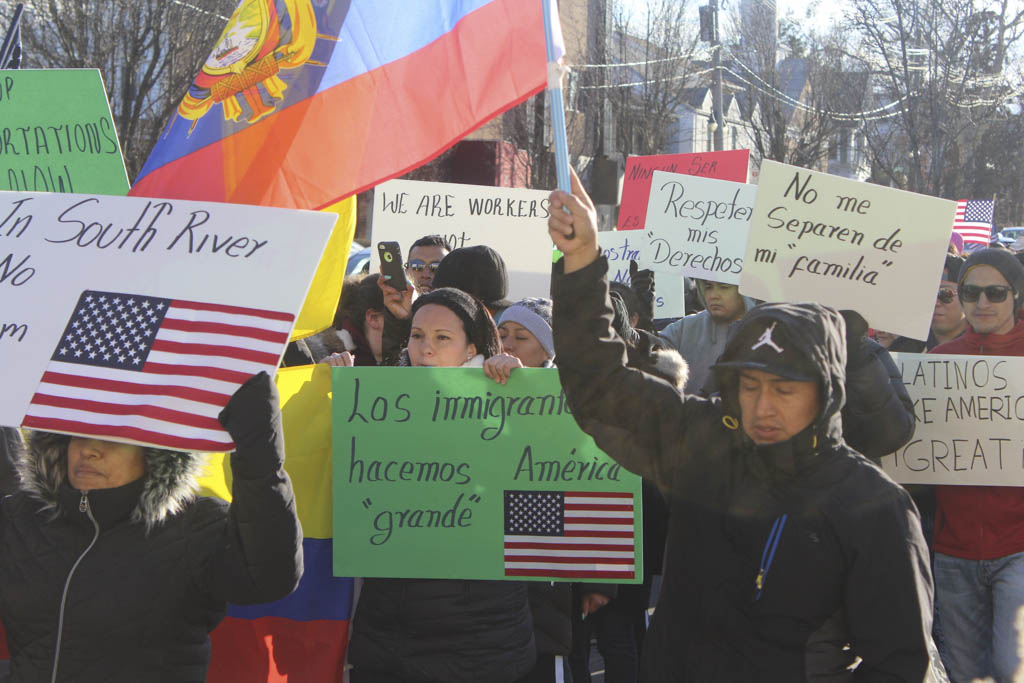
(136, 319)
(443, 473)
(847, 244)
(970, 421)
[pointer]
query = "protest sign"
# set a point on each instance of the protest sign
(443, 473)
(56, 133)
(136, 319)
(622, 246)
(847, 244)
(698, 226)
(512, 221)
(636, 184)
(969, 414)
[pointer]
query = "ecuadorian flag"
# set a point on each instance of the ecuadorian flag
(303, 102)
(302, 638)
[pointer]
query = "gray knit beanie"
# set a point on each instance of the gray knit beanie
(533, 313)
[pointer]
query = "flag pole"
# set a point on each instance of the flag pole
(557, 104)
(10, 50)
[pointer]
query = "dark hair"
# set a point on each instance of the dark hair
(359, 294)
(952, 268)
(476, 320)
(429, 241)
(632, 302)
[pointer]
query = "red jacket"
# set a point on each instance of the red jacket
(981, 522)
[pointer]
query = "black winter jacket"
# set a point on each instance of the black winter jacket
(443, 630)
(850, 566)
(124, 584)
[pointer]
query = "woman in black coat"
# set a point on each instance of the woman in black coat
(111, 569)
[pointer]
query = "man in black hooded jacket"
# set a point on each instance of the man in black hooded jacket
(785, 545)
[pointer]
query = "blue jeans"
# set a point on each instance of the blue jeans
(978, 606)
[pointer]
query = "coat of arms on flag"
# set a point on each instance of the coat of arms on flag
(154, 370)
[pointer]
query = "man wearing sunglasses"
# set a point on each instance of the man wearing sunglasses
(425, 256)
(979, 530)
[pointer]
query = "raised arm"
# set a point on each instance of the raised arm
(259, 557)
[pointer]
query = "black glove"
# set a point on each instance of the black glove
(253, 415)
(642, 282)
(857, 351)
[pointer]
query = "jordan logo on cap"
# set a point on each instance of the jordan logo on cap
(766, 340)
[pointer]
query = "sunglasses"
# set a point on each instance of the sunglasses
(418, 266)
(946, 295)
(994, 293)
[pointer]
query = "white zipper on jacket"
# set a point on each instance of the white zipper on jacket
(83, 506)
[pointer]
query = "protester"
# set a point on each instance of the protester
(425, 255)
(113, 570)
(784, 545)
(435, 630)
(979, 530)
(948, 320)
(700, 337)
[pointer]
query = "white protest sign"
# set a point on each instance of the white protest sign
(512, 221)
(970, 421)
(622, 246)
(698, 226)
(135, 319)
(847, 244)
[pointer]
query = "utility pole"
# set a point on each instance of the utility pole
(709, 32)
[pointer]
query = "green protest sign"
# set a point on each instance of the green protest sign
(443, 473)
(57, 135)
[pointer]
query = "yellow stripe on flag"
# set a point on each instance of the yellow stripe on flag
(306, 413)
(317, 312)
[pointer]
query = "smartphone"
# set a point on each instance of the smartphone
(391, 264)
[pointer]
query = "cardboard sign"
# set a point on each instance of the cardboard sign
(623, 246)
(698, 227)
(56, 133)
(970, 421)
(443, 473)
(512, 221)
(136, 319)
(636, 185)
(847, 244)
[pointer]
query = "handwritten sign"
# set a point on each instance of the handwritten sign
(847, 244)
(442, 473)
(512, 221)
(622, 246)
(970, 421)
(215, 264)
(698, 227)
(56, 133)
(636, 185)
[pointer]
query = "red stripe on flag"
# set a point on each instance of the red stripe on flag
(571, 574)
(598, 534)
(238, 310)
(522, 545)
(277, 650)
(193, 371)
(598, 520)
(130, 433)
(390, 119)
(187, 349)
(602, 494)
(224, 328)
(607, 508)
(117, 386)
(155, 412)
(549, 559)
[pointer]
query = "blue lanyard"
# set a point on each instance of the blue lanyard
(770, 546)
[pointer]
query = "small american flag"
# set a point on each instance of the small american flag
(974, 220)
(569, 534)
(154, 370)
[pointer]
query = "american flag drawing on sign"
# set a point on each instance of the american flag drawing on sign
(154, 370)
(569, 534)
(974, 220)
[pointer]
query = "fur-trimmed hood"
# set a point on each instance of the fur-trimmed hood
(171, 479)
